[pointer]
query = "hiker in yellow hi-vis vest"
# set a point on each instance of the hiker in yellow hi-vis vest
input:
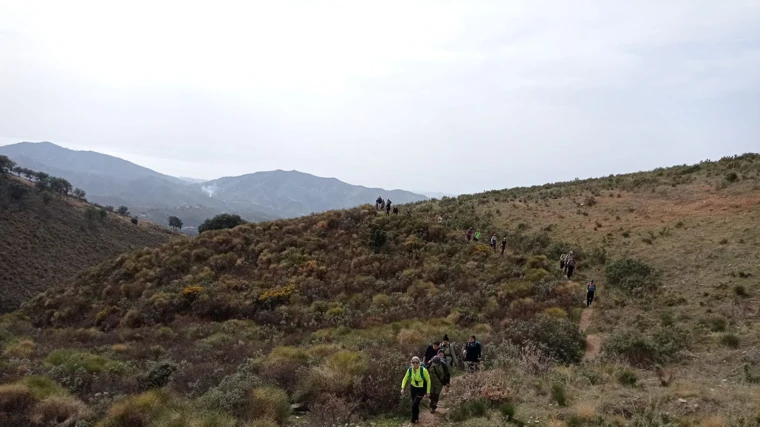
(419, 380)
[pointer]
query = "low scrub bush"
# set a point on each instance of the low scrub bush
(43, 387)
(15, 401)
(730, 340)
(232, 395)
(59, 411)
(20, 349)
(559, 394)
(631, 275)
(627, 378)
(270, 403)
(644, 351)
(72, 361)
(557, 338)
(470, 409)
(158, 376)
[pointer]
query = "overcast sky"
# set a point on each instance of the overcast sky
(453, 96)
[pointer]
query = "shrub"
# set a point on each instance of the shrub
(508, 410)
(559, 394)
(631, 275)
(730, 340)
(59, 410)
(270, 403)
(381, 301)
(554, 337)
(123, 211)
(20, 350)
(232, 395)
(158, 376)
(136, 411)
(468, 409)
(633, 347)
(377, 239)
(43, 387)
(15, 399)
(741, 291)
(134, 220)
(627, 378)
(71, 361)
(731, 177)
(717, 323)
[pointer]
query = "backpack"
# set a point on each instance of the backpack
(570, 260)
(446, 380)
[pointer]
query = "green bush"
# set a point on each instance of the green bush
(644, 351)
(741, 291)
(631, 275)
(732, 177)
(43, 387)
(556, 338)
(730, 340)
(72, 361)
(158, 376)
(508, 410)
(559, 394)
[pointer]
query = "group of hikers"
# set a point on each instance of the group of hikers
(385, 205)
(493, 242)
(428, 377)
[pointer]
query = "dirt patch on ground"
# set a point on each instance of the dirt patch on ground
(593, 341)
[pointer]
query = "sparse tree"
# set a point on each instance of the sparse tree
(17, 190)
(109, 208)
(220, 222)
(123, 211)
(59, 185)
(6, 165)
(18, 170)
(29, 174)
(79, 193)
(175, 223)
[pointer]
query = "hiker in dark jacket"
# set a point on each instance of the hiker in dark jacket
(503, 245)
(388, 207)
(472, 354)
(590, 289)
(395, 210)
(431, 352)
(440, 377)
(469, 234)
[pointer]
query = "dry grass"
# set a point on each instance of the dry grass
(585, 411)
(713, 422)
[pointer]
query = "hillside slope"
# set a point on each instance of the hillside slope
(330, 307)
(48, 244)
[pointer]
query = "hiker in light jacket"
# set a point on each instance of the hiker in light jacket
(451, 355)
(440, 377)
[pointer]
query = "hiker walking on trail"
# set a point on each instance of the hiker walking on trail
(378, 202)
(419, 381)
(493, 242)
(395, 210)
(562, 261)
(570, 264)
(590, 289)
(473, 351)
(450, 356)
(469, 234)
(431, 352)
(440, 377)
(503, 245)
(388, 207)
(477, 236)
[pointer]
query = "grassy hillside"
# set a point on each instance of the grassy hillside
(230, 327)
(45, 244)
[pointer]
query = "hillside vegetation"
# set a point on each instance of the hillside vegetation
(46, 239)
(231, 327)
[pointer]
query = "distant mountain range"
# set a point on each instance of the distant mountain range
(259, 196)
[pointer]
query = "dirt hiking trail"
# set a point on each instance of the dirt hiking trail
(593, 341)
(428, 419)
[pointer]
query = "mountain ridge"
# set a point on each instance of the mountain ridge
(258, 196)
